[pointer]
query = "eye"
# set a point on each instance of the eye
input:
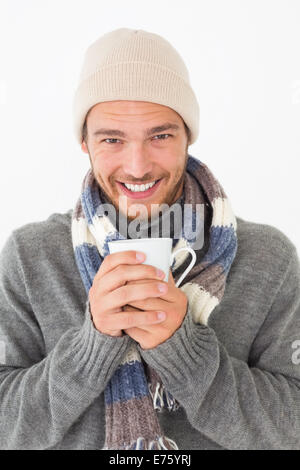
(109, 142)
(162, 135)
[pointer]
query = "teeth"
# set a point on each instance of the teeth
(139, 187)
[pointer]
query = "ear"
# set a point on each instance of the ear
(84, 147)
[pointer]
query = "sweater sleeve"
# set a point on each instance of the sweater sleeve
(41, 396)
(240, 405)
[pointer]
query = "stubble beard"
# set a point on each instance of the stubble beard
(169, 199)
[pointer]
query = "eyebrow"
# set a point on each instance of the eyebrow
(152, 130)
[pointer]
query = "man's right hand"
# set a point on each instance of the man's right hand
(109, 292)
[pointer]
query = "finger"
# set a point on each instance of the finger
(169, 296)
(126, 273)
(130, 308)
(113, 260)
(124, 320)
(129, 293)
(140, 335)
(151, 304)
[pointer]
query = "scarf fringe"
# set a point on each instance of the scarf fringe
(141, 443)
(162, 398)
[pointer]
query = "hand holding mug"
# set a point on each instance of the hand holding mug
(110, 291)
(173, 303)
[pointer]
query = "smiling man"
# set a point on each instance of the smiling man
(131, 150)
(98, 350)
(140, 151)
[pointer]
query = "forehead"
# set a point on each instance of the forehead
(116, 118)
(148, 132)
(131, 111)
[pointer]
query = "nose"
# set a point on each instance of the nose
(137, 163)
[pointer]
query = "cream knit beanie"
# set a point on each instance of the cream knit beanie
(129, 64)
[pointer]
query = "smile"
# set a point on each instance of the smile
(139, 191)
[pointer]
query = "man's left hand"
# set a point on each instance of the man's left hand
(173, 303)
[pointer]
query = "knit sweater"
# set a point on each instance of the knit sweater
(237, 378)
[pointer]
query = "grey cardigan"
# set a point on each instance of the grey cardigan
(237, 379)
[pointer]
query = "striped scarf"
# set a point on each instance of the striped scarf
(135, 390)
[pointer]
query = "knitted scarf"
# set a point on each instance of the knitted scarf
(135, 390)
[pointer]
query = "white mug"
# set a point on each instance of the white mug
(158, 253)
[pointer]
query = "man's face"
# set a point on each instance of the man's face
(126, 151)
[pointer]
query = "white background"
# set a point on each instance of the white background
(244, 63)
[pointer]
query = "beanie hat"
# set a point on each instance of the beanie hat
(129, 64)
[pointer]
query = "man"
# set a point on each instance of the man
(79, 338)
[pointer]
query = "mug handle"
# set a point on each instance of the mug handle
(189, 266)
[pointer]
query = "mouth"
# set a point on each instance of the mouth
(139, 194)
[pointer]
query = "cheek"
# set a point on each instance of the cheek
(104, 166)
(167, 161)
(173, 166)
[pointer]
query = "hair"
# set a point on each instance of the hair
(84, 131)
